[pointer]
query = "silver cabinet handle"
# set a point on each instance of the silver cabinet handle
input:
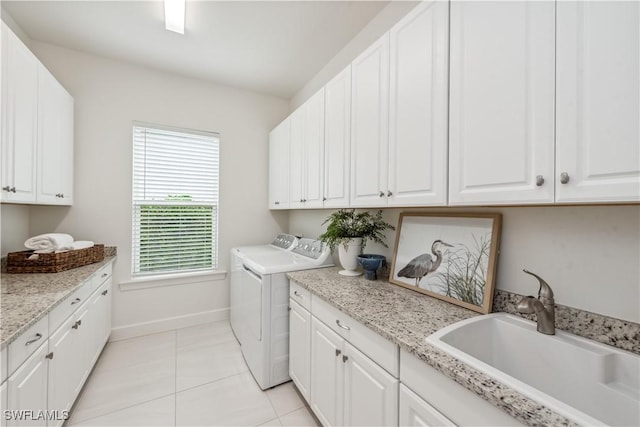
(104, 274)
(77, 324)
(38, 336)
(338, 352)
(13, 189)
(342, 326)
(345, 358)
(389, 193)
(276, 202)
(381, 194)
(564, 178)
(296, 293)
(49, 356)
(75, 301)
(7, 189)
(105, 292)
(539, 180)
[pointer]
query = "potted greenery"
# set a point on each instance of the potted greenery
(349, 231)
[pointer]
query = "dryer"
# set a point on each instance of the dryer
(260, 302)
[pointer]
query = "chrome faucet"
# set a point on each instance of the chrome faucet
(543, 306)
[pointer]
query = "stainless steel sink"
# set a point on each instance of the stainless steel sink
(588, 382)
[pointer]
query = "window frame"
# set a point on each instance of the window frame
(171, 275)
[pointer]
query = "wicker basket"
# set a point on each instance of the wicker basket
(18, 262)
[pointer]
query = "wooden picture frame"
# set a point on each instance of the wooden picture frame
(452, 257)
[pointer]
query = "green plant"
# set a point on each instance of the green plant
(346, 224)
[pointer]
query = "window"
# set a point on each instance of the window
(175, 200)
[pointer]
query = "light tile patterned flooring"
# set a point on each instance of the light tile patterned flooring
(188, 377)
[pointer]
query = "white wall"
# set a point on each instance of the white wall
(14, 227)
(109, 96)
(590, 255)
(380, 24)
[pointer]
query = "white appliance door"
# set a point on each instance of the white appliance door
(235, 312)
(252, 304)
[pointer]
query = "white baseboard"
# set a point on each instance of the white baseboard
(168, 324)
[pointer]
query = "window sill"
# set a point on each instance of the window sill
(147, 282)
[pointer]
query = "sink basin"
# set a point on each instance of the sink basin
(588, 382)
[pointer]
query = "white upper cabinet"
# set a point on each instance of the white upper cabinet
(19, 120)
(279, 166)
(307, 154)
(337, 140)
(314, 150)
(37, 130)
(418, 107)
(501, 123)
(598, 101)
(55, 142)
(369, 124)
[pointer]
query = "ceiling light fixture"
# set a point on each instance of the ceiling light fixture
(174, 15)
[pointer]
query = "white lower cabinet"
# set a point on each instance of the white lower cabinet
(370, 393)
(414, 411)
(45, 384)
(300, 347)
(442, 396)
(347, 387)
(28, 390)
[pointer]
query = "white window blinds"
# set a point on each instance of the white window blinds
(175, 200)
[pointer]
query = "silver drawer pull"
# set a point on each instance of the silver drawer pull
(75, 325)
(342, 326)
(75, 301)
(338, 352)
(296, 293)
(38, 336)
(345, 358)
(104, 275)
(105, 292)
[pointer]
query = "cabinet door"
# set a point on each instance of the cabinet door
(326, 374)
(418, 107)
(19, 120)
(3, 403)
(416, 412)
(279, 166)
(98, 321)
(369, 125)
(337, 137)
(370, 393)
(598, 101)
(28, 388)
(55, 141)
(296, 156)
(501, 127)
(300, 348)
(314, 151)
(63, 377)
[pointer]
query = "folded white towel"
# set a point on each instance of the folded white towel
(50, 241)
(78, 244)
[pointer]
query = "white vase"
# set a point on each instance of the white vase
(348, 255)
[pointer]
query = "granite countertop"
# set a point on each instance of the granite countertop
(406, 318)
(27, 298)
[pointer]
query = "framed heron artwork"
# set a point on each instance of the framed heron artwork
(452, 257)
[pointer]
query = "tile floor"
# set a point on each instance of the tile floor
(188, 377)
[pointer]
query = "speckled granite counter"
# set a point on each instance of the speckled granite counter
(27, 298)
(405, 318)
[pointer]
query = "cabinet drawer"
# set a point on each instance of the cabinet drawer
(101, 275)
(27, 343)
(447, 396)
(69, 305)
(300, 295)
(382, 351)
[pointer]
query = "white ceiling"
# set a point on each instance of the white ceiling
(272, 47)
